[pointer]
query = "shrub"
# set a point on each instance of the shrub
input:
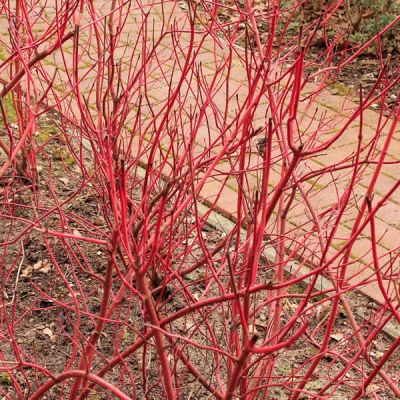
(119, 279)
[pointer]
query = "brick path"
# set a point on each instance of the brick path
(209, 60)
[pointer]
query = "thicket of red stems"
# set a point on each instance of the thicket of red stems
(160, 107)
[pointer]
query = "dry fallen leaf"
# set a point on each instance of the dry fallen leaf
(65, 181)
(42, 266)
(337, 336)
(27, 272)
(48, 332)
(372, 388)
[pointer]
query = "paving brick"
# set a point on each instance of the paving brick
(226, 204)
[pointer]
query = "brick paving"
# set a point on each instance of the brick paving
(210, 56)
